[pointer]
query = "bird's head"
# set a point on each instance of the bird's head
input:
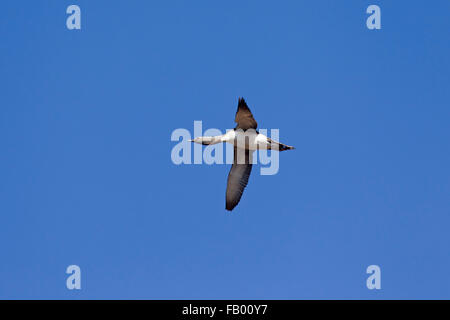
(197, 140)
(200, 140)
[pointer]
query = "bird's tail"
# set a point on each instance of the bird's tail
(275, 145)
(283, 147)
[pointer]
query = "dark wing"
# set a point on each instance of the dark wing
(238, 177)
(244, 117)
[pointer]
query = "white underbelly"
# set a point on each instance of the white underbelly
(246, 140)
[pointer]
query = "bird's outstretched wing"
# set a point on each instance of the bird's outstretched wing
(244, 117)
(238, 177)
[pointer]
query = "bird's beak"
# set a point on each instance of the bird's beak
(190, 140)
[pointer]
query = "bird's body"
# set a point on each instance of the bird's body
(245, 139)
(248, 140)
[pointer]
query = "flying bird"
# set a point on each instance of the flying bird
(245, 139)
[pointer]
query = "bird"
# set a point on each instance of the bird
(245, 139)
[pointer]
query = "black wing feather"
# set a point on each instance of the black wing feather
(238, 177)
(244, 117)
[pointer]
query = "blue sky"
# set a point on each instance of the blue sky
(87, 178)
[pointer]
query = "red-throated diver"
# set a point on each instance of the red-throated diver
(245, 139)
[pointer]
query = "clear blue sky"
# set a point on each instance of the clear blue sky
(87, 179)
